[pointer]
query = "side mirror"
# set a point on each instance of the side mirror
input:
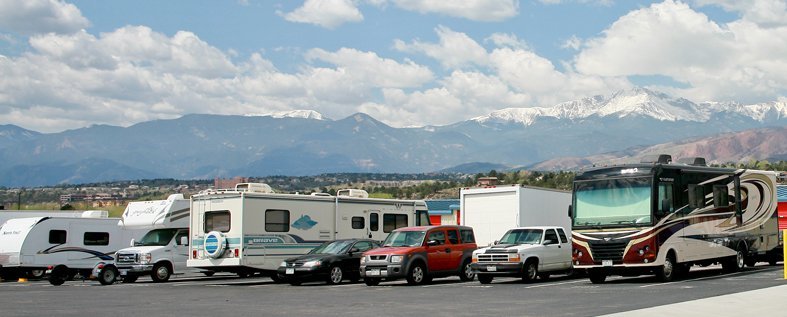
(432, 243)
(570, 211)
(133, 243)
(549, 241)
(497, 242)
(354, 250)
(184, 240)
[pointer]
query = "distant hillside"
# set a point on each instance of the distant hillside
(474, 168)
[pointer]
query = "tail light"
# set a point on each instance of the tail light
(237, 253)
(193, 254)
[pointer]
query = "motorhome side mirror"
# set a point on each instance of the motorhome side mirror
(432, 243)
(497, 242)
(184, 240)
(132, 243)
(570, 211)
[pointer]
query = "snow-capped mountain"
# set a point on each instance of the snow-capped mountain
(302, 114)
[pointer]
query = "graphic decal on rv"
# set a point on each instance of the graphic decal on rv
(94, 253)
(304, 223)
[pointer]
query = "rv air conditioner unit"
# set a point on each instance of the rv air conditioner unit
(693, 161)
(656, 159)
(254, 188)
(95, 214)
(321, 194)
(357, 193)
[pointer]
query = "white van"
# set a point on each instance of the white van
(67, 246)
(163, 250)
(251, 229)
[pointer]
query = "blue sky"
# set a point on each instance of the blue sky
(70, 64)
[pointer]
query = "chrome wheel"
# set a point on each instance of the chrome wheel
(336, 275)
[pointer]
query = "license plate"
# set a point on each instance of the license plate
(289, 271)
(374, 272)
(123, 272)
(491, 268)
(606, 262)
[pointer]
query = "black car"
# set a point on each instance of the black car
(332, 262)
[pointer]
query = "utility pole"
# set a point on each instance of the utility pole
(19, 200)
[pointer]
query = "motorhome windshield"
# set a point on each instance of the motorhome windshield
(522, 236)
(404, 239)
(158, 237)
(333, 247)
(612, 202)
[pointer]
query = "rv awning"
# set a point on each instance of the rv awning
(442, 206)
(781, 192)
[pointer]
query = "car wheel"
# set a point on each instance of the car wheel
(161, 273)
(276, 278)
(485, 279)
(369, 281)
(336, 275)
(416, 275)
(530, 271)
(36, 273)
(243, 274)
(58, 276)
(597, 276)
(130, 278)
(107, 275)
(734, 263)
(466, 273)
(543, 276)
(667, 272)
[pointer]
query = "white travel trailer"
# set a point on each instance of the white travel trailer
(6, 215)
(163, 250)
(68, 245)
(251, 229)
(492, 211)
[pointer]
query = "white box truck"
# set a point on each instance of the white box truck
(163, 250)
(492, 211)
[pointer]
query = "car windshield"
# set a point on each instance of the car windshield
(333, 247)
(613, 202)
(522, 236)
(404, 239)
(158, 237)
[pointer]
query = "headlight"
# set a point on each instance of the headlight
(363, 259)
(396, 258)
(312, 263)
(144, 258)
(283, 264)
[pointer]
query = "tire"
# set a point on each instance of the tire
(529, 271)
(543, 276)
(36, 274)
(130, 278)
(335, 275)
(370, 281)
(243, 274)
(734, 263)
(58, 276)
(485, 278)
(107, 275)
(416, 275)
(668, 271)
(208, 273)
(597, 276)
(750, 261)
(294, 282)
(276, 278)
(161, 273)
(466, 273)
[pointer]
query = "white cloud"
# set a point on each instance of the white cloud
(573, 43)
(740, 60)
(455, 49)
(507, 40)
(477, 10)
(763, 12)
(369, 69)
(325, 13)
(41, 16)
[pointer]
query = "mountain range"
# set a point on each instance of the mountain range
(305, 142)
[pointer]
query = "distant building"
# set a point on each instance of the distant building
(221, 183)
(443, 211)
(487, 181)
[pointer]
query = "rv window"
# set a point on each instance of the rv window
(96, 238)
(358, 222)
(721, 196)
(217, 221)
(562, 235)
(374, 221)
(453, 237)
(467, 236)
(279, 221)
(422, 218)
(57, 236)
(696, 196)
(393, 221)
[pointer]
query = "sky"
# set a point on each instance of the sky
(71, 64)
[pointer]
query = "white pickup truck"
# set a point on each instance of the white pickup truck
(528, 252)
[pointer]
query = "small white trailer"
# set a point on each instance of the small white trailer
(66, 245)
(6, 215)
(492, 211)
(163, 250)
(251, 229)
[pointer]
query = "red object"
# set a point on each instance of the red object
(783, 215)
(237, 252)
(436, 220)
(194, 254)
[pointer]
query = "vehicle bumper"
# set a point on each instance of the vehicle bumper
(135, 269)
(213, 263)
(497, 268)
(302, 273)
(388, 271)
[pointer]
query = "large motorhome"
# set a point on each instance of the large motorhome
(659, 217)
(163, 250)
(251, 229)
(69, 245)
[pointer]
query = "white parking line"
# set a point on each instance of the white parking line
(554, 284)
(694, 279)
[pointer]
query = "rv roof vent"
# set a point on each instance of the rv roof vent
(254, 187)
(95, 214)
(657, 159)
(321, 194)
(357, 193)
(694, 161)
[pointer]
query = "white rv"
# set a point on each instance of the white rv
(251, 229)
(6, 215)
(67, 245)
(492, 211)
(163, 250)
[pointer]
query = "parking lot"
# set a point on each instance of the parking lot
(197, 295)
